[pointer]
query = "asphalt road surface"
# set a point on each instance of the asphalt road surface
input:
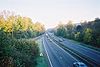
(87, 52)
(57, 56)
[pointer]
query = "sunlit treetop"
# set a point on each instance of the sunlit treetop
(11, 22)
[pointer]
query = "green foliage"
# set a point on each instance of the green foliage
(69, 26)
(77, 36)
(61, 31)
(16, 49)
(20, 27)
(87, 32)
(65, 30)
(17, 52)
(87, 35)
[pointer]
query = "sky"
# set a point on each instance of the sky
(51, 12)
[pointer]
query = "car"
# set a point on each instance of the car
(60, 40)
(46, 34)
(79, 64)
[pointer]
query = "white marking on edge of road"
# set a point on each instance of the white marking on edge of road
(84, 49)
(66, 52)
(63, 50)
(82, 45)
(47, 55)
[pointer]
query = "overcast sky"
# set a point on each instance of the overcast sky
(51, 12)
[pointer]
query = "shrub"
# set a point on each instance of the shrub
(17, 52)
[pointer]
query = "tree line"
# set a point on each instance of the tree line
(16, 47)
(20, 27)
(87, 32)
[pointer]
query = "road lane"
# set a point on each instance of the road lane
(83, 50)
(52, 58)
(88, 52)
(58, 57)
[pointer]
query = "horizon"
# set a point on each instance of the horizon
(51, 12)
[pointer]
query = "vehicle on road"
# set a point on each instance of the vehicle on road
(79, 64)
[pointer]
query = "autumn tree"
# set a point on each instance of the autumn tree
(20, 27)
(15, 51)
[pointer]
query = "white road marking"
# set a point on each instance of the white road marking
(63, 50)
(68, 53)
(47, 55)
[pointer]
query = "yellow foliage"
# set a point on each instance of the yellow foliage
(27, 22)
(38, 27)
(18, 23)
(2, 22)
(8, 26)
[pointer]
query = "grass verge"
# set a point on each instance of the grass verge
(41, 60)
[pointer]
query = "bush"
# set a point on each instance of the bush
(17, 52)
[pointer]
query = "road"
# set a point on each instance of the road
(85, 51)
(57, 56)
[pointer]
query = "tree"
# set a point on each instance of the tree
(86, 32)
(69, 26)
(79, 28)
(18, 26)
(2, 22)
(17, 52)
(77, 36)
(38, 27)
(87, 35)
(61, 31)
